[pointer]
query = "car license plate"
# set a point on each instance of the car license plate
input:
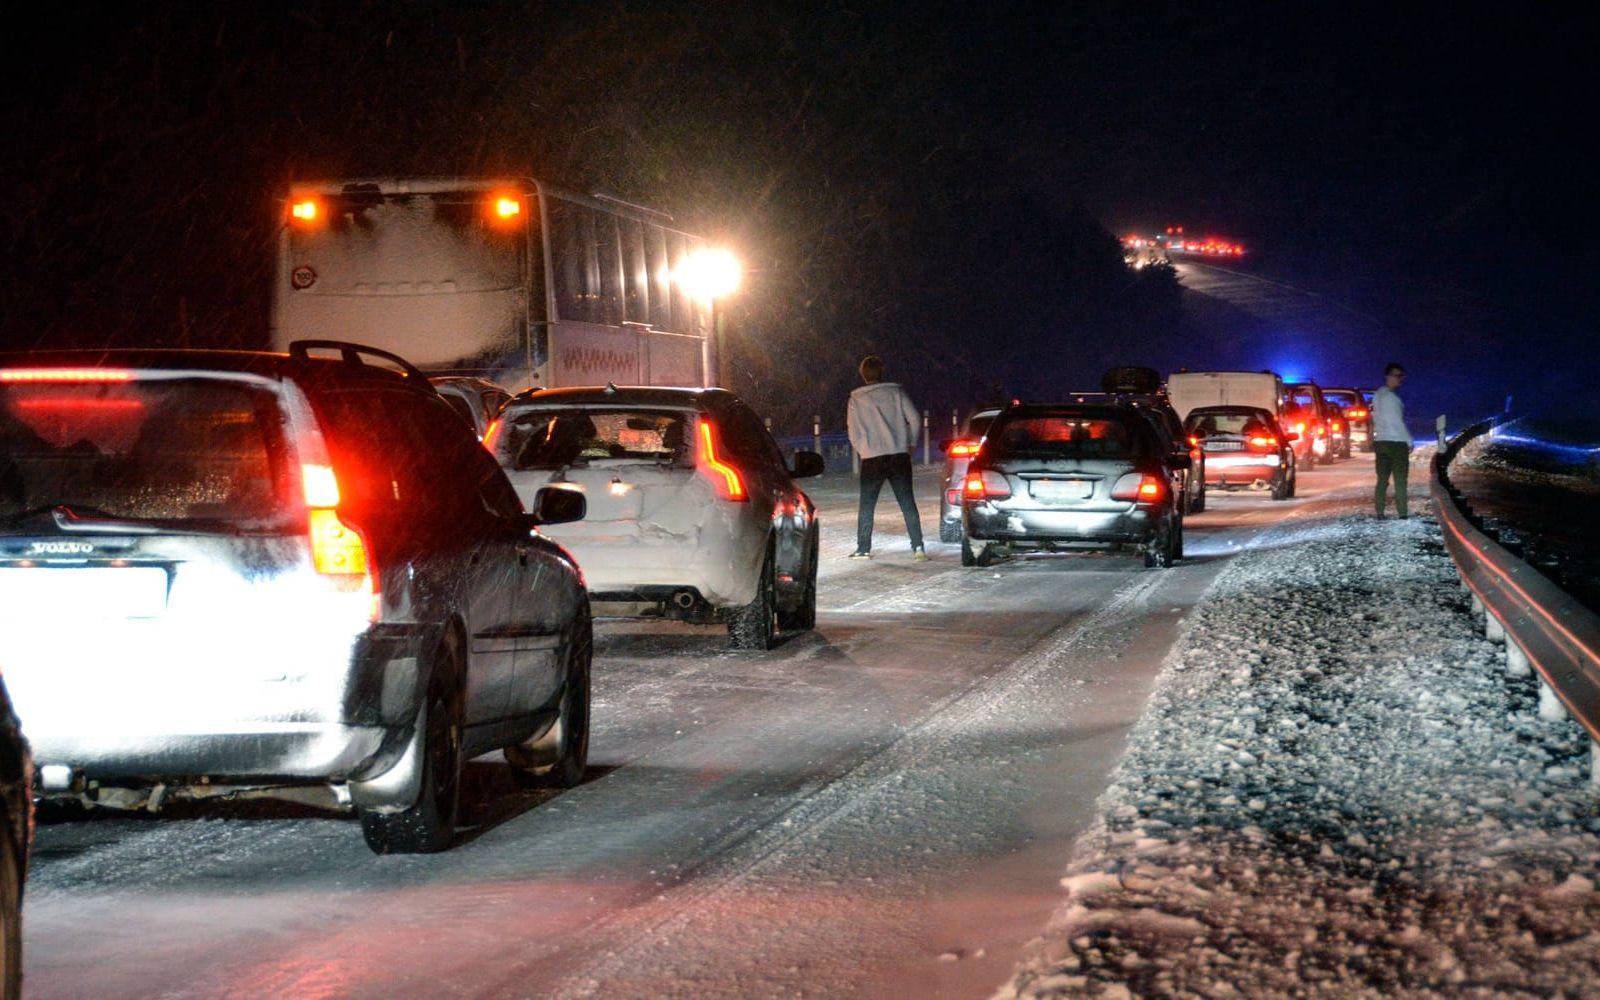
(79, 593)
(1061, 489)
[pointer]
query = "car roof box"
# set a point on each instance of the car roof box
(1131, 379)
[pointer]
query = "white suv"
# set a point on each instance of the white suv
(693, 514)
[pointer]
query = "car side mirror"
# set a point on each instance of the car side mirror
(1181, 460)
(806, 465)
(558, 505)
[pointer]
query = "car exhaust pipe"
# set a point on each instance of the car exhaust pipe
(1261, 484)
(684, 599)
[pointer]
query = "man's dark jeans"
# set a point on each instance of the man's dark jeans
(897, 470)
(1394, 462)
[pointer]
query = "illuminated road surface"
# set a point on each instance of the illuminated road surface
(880, 808)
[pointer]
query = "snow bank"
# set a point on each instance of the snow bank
(1337, 791)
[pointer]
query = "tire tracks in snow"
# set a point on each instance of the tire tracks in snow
(637, 932)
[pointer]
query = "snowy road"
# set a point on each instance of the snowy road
(880, 808)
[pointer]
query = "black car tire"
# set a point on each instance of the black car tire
(1160, 552)
(949, 531)
(754, 627)
(1199, 500)
(1281, 490)
(804, 617)
(1311, 459)
(429, 825)
(559, 757)
(11, 869)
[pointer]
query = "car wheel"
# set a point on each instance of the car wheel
(559, 757)
(429, 825)
(11, 869)
(1158, 551)
(1310, 460)
(1281, 489)
(804, 617)
(949, 531)
(1177, 541)
(755, 626)
(1199, 501)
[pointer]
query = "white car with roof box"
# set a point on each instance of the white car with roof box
(692, 512)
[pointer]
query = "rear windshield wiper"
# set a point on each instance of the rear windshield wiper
(88, 519)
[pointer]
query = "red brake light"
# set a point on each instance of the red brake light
(986, 486)
(1264, 442)
(65, 375)
(1139, 487)
(729, 484)
(1358, 414)
(320, 485)
(962, 449)
(1337, 425)
(1300, 427)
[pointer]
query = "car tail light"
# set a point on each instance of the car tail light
(1300, 428)
(1263, 442)
(986, 485)
(1358, 414)
(490, 433)
(338, 550)
(15, 375)
(320, 485)
(962, 449)
(1319, 429)
(507, 207)
(729, 484)
(1139, 487)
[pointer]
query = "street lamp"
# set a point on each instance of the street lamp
(710, 274)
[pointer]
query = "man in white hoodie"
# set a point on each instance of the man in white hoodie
(883, 423)
(1391, 441)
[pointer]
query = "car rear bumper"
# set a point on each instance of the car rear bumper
(1241, 469)
(713, 568)
(995, 522)
(323, 708)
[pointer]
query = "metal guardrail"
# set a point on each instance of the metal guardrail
(1544, 627)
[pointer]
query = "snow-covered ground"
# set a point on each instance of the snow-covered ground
(1337, 791)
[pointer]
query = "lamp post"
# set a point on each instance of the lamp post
(709, 275)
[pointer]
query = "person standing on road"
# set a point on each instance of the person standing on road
(883, 424)
(1391, 442)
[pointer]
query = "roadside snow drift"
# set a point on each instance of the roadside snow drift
(1337, 791)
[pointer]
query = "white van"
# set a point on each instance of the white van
(1188, 390)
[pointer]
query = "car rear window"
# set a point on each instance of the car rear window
(1342, 399)
(1064, 436)
(552, 438)
(147, 449)
(1211, 424)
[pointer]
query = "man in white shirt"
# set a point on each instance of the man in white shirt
(1391, 441)
(883, 424)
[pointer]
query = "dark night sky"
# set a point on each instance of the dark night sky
(928, 181)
